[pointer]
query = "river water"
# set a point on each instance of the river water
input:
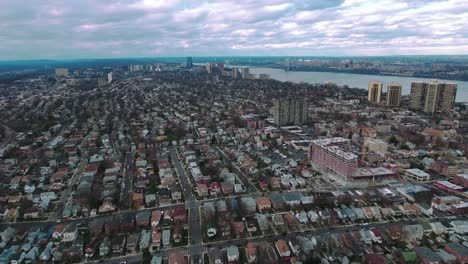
(353, 80)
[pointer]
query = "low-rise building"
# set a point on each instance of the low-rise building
(282, 248)
(417, 175)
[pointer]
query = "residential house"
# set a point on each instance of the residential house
(155, 217)
(138, 200)
(262, 222)
(251, 252)
(277, 202)
(227, 188)
(278, 220)
(91, 247)
(413, 232)
(155, 239)
(177, 233)
(96, 226)
(180, 215)
(232, 253)
(118, 244)
(202, 190)
(104, 247)
(248, 205)
(263, 204)
(106, 207)
(176, 193)
(239, 228)
(145, 239)
(142, 218)
(127, 223)
(458, 250)
(58, 232)
(215, 256)
(221, 206)
(313, 216)
(156, 260)
(132, 242)
(292, 199)
(427, 256)
(446, 257)
(47, 252)
(166, 237)
(282, 248)
(177, 257)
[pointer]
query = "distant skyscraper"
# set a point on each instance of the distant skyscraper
(61, 72)
(134, 68)
(148, 67)
(109, 77)
(221, 67)
(290, 111)
(189, 62)
(393, 94)
(235, 72)
(431, 97)
(375, 92)
(264, 76)
(102, 81)
(209, 68)
(245, 73)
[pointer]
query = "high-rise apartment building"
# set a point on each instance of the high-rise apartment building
(102, 81)
(393, 94)
(335, 155)
(109, 77)
(263, 76)
(61, 72)
(245, 73)
(221, 67)
(290, 111)
(241, 72)
(209, 68)
(375, 92)
(236, 72)
(134, 68)
(431, 97)
(189, 63)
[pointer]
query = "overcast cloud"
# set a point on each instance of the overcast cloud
(38, 29)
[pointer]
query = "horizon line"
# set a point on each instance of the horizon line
(239, 56)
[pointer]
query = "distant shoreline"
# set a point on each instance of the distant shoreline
(442, 78)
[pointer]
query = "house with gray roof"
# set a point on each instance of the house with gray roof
(248, 204)
(145, 239)
(262, 222)
(426, 255)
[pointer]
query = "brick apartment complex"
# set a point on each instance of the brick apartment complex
(334, 154)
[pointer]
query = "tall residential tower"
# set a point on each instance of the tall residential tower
(393, 94)
(432, 97)
(290, 111)
(375, 92)
(189, 63)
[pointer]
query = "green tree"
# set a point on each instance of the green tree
(213, 140)
(146, 256)
(393, 140)
(405, 146)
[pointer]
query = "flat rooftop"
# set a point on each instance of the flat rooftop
(369, 172)
(329, 141)
(418, 172)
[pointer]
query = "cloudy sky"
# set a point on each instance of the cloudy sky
(39, 29)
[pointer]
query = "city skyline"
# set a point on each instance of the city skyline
(97, 29)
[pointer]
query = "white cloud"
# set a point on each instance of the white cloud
(99, 28)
